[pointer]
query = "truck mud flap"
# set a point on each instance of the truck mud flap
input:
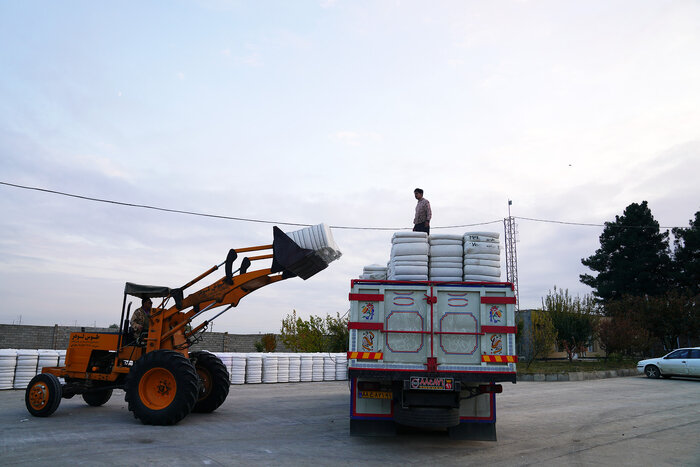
(473, 431)
(372, 428)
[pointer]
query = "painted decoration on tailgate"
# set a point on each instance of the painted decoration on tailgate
(368, 341)
(496, 344)
(495, 314)
(368, 311)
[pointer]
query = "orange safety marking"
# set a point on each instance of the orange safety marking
(499, 358)
(365, 355)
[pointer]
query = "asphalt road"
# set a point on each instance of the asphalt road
(618, 421)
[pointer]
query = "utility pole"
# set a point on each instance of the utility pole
(511, 231)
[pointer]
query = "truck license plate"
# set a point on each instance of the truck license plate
(434, 384)
(375, 395)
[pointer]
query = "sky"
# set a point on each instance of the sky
(328, 111)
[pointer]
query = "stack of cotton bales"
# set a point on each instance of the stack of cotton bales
(318, 238)
(374, 271)
(446, 257)
(409, 257)
(482, 256)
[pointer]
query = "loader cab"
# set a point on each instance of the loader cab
(139, 292)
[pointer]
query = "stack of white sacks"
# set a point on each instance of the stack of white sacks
(446, 257)
(482, 256)
(409, 257)
(374, 271)
(318, 238)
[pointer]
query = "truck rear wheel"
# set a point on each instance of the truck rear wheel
(161, 388)
(214, 381)
(426, 417)
(97, 398)
(43, 395)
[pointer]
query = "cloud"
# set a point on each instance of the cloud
(354, 138)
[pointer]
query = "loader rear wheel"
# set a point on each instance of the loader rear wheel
(214, 382)
(161, 388)
(43, 395)
(97, 398)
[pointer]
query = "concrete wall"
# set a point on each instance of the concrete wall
(15, 336)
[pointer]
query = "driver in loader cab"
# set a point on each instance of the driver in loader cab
(141, 317)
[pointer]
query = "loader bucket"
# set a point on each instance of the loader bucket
(293, 260)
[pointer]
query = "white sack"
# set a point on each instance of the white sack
(408, 258)
(406, 277)
(478, 238)
(446, 279)
(482, 262)
(445, 237)
(404, 249)
(445, 242)
(374, 267)
(446, 250)
(481, 248)
(470, 277)
(396, 241)
(482, 271)
(446, 262)
(400, 262)
(446, 272)
(481, 234)
(410, 270)
(318, 238)
(496, 257)
(410, 234)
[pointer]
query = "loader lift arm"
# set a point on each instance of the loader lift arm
(167, 327)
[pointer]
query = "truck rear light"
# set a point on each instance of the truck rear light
(494, 388)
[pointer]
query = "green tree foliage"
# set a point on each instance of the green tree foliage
(543, 335)
(633, 257)
(686, 256)
(329, 334)
(573, 318)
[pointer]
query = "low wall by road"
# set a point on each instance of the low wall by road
(19, 336)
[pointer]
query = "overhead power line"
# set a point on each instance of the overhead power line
(263, 221)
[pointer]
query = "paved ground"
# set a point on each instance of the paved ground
(618, 421)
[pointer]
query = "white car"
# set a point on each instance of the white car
(680, 362)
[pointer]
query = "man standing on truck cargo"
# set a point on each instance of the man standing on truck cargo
(421, 221)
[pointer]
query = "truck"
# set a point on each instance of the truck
(429, 355)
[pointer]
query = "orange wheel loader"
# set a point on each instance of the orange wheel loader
(162, 380)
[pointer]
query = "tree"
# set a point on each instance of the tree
(667, 317)
(267, 343)
(623, 335)
(316, 334)
(543, 335)
(633, 257)
(573, 318)
(686, 256)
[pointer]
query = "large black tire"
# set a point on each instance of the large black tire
(97, 398)
(161, 388)
(214, 381)
(43, 395)
(652, 371)
(426, 417)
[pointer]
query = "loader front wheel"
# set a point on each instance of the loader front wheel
(161, 388)
(214, 382)
(43, 395)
